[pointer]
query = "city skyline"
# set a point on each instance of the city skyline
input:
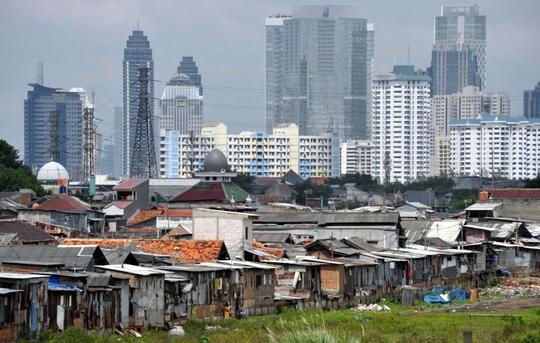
(238, 76)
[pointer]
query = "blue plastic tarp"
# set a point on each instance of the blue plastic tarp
(435, 299)
(458, 294)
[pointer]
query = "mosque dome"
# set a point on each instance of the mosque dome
(216, 162)
(52, 171)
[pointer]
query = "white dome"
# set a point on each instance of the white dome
(52, 171)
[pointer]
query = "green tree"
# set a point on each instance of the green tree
(533, 183)
(14, 175)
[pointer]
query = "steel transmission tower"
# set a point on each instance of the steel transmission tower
(143, 160)
(89, 143)
(54, 135)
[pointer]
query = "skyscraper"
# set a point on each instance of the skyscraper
(53, 128)
(531, 102)
(189, 67)
(401, 126)
(136, 54)
(318, 64)
(181, 105)
(459, 51)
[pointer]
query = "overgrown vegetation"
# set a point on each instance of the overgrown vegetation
(340, 326)
(14, 175)
(461, 198)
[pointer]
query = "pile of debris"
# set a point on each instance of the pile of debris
(371, 308)
(513, 288)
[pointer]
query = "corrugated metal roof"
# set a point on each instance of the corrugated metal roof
(4, 291)
(135, 270)
(24, 231)
(128, 184)
(21, 276)
(533, 228)
(447, 230)
(483, 206)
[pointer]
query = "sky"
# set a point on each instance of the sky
(81, 44)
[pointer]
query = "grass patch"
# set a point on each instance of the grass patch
(402, 324)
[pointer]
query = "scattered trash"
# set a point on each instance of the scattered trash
(135, 333)
(177, 331)
(213, 328)
(439, 296)
(371, 308)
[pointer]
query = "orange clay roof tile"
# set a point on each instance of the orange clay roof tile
(184, 251)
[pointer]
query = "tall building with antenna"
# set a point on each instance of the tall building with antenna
(137, 54)
(458, 58)
(181, 105)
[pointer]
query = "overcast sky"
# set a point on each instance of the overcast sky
(81, 44)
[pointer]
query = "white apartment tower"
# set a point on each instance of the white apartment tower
(255, 153)
(356, 157)
(468, 104)
(401, 126)
(495, 146)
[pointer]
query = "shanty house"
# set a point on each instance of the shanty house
(146, 293)
(15, 232)
(75, 258)
(27, 316)
(64, 215)
(381, 229)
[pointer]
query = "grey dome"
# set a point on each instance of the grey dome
(216, 162)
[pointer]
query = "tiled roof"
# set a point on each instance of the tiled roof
(142, 216)
(64, 202)
(513, 193)
(203, 191)
(171, 212)
(128, 184)
(275, 252)
(119, 204)
(184, 251)
(25, 232)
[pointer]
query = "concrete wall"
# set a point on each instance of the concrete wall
(520, 208)
(229, 227)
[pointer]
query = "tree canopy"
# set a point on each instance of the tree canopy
(14, 175)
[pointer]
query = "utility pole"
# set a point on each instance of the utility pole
(54, 135)
(89, 143)
(387, 167)
(143, 162)
(191, 153)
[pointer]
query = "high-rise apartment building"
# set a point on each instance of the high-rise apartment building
(181, 105)
(401, 126)
(495, 146)
(356, 157)
(255, 153)
(136, 54)
(531, 102)
(459, 50)
(53, 128)
(467, 104)
(318, 64)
